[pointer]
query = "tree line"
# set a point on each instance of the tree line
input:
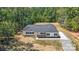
(15, 19)
(69, 18)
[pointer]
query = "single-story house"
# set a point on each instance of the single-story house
(41, 31)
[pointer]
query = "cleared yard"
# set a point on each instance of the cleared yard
(41, 45)
(49, 44)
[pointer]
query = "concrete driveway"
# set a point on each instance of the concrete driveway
(66, 42)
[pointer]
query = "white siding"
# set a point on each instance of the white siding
(53, 34)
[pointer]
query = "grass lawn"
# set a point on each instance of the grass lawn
(54, 43)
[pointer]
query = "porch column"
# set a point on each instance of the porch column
(36, 35)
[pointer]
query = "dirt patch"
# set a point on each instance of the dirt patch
(44, 48)
(75, 34)
(24, 39)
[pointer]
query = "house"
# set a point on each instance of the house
(41, 31)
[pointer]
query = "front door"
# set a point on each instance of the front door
(51, 34)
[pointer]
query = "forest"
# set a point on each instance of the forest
(14, 19)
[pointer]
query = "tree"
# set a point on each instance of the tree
(8, 29)
(74, 25)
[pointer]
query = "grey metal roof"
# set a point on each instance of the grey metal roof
(41, 28)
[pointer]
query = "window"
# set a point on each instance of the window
(29, 32)
(42, 33)
(55, 34)
(47, 34)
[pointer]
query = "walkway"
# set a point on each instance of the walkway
(66, 42)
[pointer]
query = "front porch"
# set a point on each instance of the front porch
(44, 36)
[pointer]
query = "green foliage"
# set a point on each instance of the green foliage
(11, 44)
(69, 18)
(74, 25)
(7, 28)
(13, 20)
